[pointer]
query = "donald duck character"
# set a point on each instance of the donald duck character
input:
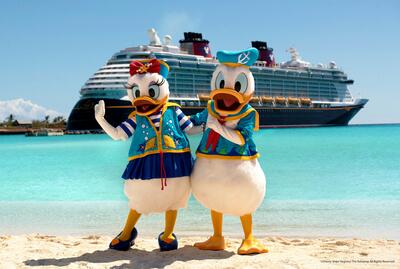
(160, 162)
(227, 178)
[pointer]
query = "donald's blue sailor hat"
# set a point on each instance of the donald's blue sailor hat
(245, 57)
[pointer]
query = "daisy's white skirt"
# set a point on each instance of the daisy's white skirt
(146, 196)
(234, 187)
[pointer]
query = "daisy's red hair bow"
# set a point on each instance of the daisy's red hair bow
(139, 67)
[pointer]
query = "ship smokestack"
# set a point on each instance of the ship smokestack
(266, 54)
(194, 43)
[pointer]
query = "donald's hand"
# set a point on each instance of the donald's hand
(100, 109)
(232, 135)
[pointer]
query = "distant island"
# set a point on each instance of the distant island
(11, 125)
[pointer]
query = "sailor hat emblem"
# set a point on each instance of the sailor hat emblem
(149, 66)
(245, 57)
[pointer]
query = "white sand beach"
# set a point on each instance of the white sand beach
(44, 251)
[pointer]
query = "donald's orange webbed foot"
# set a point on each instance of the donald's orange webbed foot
(212, 243)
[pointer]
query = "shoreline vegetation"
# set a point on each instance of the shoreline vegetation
(13, 126)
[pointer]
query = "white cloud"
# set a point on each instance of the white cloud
(25, 110)
(175, 23)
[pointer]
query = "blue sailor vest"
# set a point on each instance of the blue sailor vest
(169, 138)
(223, 148)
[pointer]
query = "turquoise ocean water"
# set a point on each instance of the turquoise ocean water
(336, 181)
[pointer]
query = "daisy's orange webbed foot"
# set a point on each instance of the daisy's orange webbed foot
(114, 241)
(251, 246)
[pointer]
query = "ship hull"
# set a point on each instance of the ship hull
(300, 117)
(82, 115)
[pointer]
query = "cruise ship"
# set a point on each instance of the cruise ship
(294, 93)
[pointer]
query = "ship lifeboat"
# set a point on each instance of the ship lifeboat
(280, 100)
(254, 99)
(293, 101)
(204, 97)
(305, 101)
(267, 99)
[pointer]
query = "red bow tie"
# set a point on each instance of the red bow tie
(137, 67)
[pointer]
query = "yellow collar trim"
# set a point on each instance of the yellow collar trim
(132, 115)
(167, 105)
(242, 141)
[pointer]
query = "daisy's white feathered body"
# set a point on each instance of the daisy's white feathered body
(160, 162)
(146, 196)
(146, 193)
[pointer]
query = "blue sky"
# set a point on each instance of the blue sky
(48, 49)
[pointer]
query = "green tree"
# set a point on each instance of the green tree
(46, 120)
(36, 124)
(10, 119)
(59, 120)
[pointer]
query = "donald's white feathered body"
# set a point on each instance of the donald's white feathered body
(233, 187)
(227, 177)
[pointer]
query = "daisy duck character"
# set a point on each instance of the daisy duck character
(227, 178)
(160, 162)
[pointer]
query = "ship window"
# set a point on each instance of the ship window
(136, 56)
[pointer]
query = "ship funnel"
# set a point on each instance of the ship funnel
(153, 37)
(266, 54)
(194, 43)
